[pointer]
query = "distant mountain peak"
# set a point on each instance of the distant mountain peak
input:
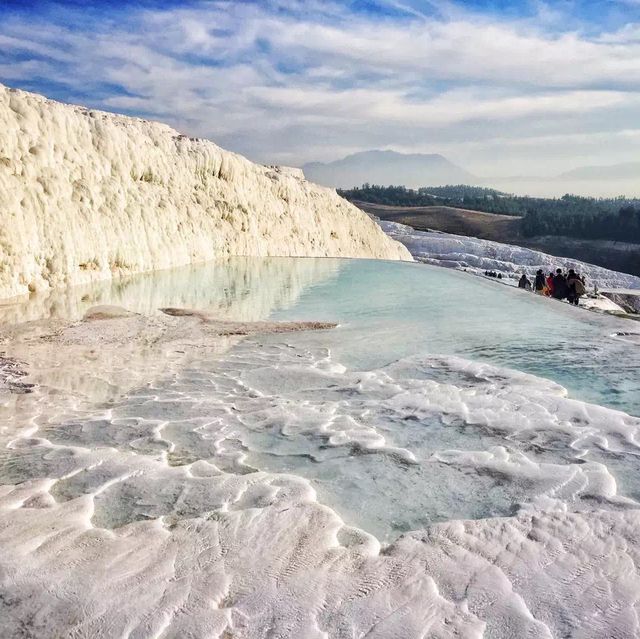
(387, 167)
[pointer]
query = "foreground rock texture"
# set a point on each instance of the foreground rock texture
(87, 195)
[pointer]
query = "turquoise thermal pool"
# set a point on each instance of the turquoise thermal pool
(441, 402)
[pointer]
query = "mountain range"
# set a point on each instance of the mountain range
(414, 170)
(388, 167)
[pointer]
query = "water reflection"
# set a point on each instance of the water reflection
(98, 362)
(238, 288)
(386, 311)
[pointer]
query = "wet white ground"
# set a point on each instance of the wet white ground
(365, 481)
(477, 256)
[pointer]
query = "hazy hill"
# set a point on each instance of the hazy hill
(627, 171)
(386, 168)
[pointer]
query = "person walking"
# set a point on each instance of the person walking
(549, 291)
(524, 282)
(571, 291)
(539, 283)
(575, 287)
(559, 285)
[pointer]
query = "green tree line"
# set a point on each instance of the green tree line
(571, 215)
(622, 226)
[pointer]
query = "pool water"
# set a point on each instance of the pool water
(449, 430)
(388, 311)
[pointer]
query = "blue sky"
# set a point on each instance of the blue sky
(503, 88)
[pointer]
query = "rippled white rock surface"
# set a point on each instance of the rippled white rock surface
(87, 195)
(476, 255)
(395, 476)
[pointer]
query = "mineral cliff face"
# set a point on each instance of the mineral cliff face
(87, 195)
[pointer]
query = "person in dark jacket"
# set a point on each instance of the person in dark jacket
(560, 289)
(571, 280)
(524, 282)
(539, 283)
(575, 286)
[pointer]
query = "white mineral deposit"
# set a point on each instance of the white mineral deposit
(87, 195)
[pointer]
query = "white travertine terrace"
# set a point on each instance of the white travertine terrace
(87, 195)
(476, 255)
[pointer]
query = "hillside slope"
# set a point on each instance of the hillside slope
(617, 256)
(87, 195)
(624, 171)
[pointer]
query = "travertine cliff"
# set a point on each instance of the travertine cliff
(87, 195)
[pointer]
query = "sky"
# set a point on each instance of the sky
(499, 87)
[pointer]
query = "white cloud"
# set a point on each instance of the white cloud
(307, 80)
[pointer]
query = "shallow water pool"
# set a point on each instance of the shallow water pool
(453, 443)
(388, 311)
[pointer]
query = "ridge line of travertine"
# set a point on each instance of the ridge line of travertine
(87, 195)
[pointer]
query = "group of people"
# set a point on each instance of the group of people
(493, 274)
(569, 286)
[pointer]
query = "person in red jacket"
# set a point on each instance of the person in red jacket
(549, 291)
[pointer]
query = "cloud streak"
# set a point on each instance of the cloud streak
(293, 81)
